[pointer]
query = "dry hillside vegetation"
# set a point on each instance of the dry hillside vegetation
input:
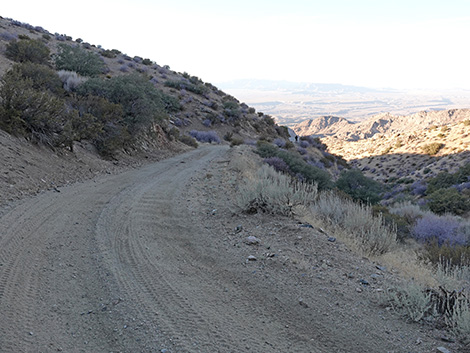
(416, 154)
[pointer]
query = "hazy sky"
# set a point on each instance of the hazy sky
(376, 43)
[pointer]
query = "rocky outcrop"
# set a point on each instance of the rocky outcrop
(378, 124)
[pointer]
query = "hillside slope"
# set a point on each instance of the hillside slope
(379, 124)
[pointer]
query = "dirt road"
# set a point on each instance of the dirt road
(137, 262)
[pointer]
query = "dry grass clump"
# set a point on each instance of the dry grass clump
(355, 222)
(272, 192)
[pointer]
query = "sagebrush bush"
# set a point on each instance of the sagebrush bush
(272, 192)
(74, 58)
(31, 50)
(411, 301)
(369, 232)
(205, 136)
(70, 80)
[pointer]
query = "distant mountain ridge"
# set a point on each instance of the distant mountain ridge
(296, 87)
(378, 124)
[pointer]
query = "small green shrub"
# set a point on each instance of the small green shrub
(74, 58)
(236, 142)
(188, 140)
(24, 110)
(448, 201)
(359, 187)
(32, 50)
(456, 255)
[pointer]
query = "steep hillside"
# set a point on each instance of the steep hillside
(414, 155)
(380, 124)
(71, 110)
(322, 126)
(192, 103)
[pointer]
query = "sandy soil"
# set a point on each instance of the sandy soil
(155, 260)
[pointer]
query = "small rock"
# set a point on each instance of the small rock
(239, 228)
(375, 276)
(302, 303)
(214, 211)
(381, 268)
(359, 290)
(447, 339)
(442, 350)
(332, 239)
(419, 341)
(270, 254)
(31, 333)
(251, 258)
(252, 240)
(364, 282)
(306, 225)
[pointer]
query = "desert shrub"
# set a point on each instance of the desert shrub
(269, 120)
(187, 85)
(401, 223)
(278, 164)
(466, 122)
(70, 80)
(6, 36)
(448, 201)
(411, 301)
(359, 187)
(108, 54)
(271, 192)
(297, 165)
(370, 233)
(418, 188)
(459, 320)
(142, 103)
(432, 148)
(280, 142)
(188, 140)
(170, 103)
(453, 254)
(24, 110)
(74, 58)
(205, 136)
(236, 142)
(32, 50)
(410, 212)
(442, 229)
(42, 77)
(231, 109)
